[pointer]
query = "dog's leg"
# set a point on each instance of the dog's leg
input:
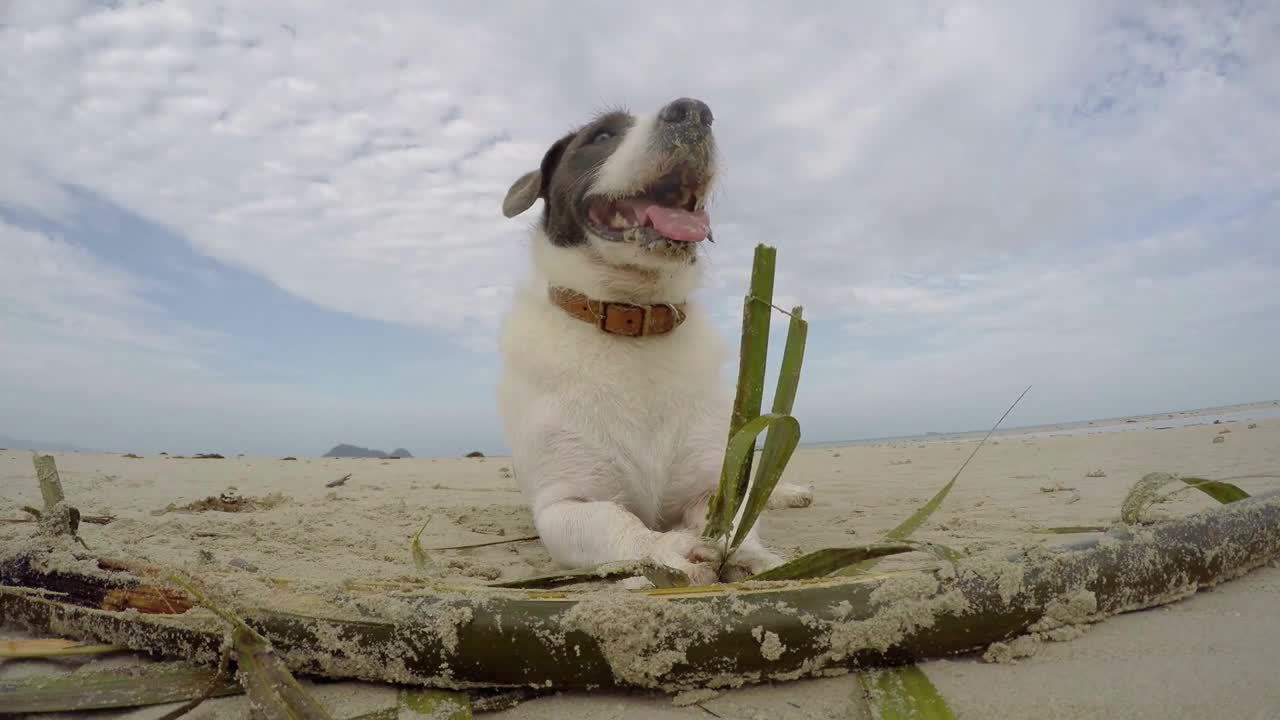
(572, 490)
(749, 558)
(695, 478)
(581, 534)
(790, 495)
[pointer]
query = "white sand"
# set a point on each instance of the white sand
(1212, 655)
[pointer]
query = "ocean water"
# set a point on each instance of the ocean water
(1154, 421)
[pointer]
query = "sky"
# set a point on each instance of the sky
(269, 228)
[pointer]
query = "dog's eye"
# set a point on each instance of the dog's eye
(602, 136)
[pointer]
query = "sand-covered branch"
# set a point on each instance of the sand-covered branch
(492, 637)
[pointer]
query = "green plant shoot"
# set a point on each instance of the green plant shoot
(738, 502)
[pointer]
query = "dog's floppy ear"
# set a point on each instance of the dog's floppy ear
(523, 193)
(532, 185)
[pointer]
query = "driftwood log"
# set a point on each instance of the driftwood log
(453, 637)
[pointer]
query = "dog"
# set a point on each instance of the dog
(611, 395)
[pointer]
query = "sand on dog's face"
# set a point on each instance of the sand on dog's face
(362, 530)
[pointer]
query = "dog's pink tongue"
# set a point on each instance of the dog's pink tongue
(681, 225)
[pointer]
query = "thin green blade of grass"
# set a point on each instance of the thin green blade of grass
(1146, 492)
(274, 693)
(903, 693)
(753, 353)
(906, 527)
(726, 500)
(431, 704)
(754, 350)
(1223, 492)
(779, 446)
(820, 563)
(823, 562)
(784, 397)
(783, 436)
(938, 550)
(918, 518)
(150, 684)
(222, 676)
(420, 558)
(488, 543)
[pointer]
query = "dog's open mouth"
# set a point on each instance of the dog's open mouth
(671, 208)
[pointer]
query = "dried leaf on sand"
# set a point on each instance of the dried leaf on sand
(227, 502)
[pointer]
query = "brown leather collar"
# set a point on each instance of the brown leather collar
(619, 318)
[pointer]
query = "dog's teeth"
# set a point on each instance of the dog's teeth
(618, 221)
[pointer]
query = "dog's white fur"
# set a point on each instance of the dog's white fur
(631, 164)
(618, 442)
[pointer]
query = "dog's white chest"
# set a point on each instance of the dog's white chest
(630, 413)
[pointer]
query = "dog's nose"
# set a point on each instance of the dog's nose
(686, 110)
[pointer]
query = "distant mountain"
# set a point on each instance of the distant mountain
(10, 443)
(355, 451)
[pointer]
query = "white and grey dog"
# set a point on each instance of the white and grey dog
(611, 394)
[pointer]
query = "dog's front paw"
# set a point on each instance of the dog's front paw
(749, 559)
(788, 495)
(687, 553)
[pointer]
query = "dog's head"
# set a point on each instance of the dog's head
(630, 188)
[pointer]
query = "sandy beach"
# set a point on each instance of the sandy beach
(1211, 655)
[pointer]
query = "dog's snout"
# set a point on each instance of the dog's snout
(686, 111)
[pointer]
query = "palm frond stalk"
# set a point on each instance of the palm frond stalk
(456, 637)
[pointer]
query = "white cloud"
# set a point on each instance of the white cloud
(86, 356)
(57, 288)
(1054, 173)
